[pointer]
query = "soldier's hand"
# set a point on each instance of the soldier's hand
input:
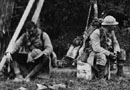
(8, 57)
(113, 56)
(30, 59)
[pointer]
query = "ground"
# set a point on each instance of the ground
(68, 79)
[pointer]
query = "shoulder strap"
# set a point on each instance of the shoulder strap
(41, 36)
(103, 38)
(102, 33)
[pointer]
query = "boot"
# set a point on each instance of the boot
(19, 77)
(120, 73)
(119, 70)
(101, 71)
(120, 64)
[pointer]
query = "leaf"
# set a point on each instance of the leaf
(41, 87)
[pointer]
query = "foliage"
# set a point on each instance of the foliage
(63, 20)
(6, 10)
(71, 84)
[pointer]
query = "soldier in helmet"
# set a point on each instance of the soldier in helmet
(105, 46)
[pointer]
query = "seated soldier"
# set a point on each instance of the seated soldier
(31, 52)
(105, 46)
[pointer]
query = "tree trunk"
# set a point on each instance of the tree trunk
(6, 10)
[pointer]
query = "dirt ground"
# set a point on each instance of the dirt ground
(70, 82)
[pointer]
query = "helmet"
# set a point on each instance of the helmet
(109, 20)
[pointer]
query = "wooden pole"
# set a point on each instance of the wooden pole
(37, 11)
(88, 17)
(95, 6)
(18, 29)
(20, 25)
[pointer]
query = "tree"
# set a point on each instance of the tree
(6, 10)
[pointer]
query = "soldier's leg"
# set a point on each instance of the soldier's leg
(18, 62)
(101, 62)
(40, 63)
(17, 70)
(120, 62)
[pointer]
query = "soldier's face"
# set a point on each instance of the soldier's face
(31, 31)
(110, 27)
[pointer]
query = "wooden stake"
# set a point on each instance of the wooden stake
(17, 31)
(37, 11)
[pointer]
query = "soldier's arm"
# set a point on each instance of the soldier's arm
(95, 42)
(18, 44)
(115, 42)
(47, 44)
(48, 49)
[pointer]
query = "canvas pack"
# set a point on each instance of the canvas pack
(84, 71)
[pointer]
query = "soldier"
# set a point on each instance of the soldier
(31, 52)
(106, 47)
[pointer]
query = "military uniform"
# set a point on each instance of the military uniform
(35, 48)
(103, 42)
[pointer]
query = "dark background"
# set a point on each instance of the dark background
(63, 20)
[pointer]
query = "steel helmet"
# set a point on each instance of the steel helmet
(109, 20)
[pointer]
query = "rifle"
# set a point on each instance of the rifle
(88, 30)
(76, 52)
(73, 50)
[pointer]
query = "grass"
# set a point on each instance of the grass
(69, 79)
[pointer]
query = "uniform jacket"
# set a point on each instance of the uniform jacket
(26, 44)
(97, 41)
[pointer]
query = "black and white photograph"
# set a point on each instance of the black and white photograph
(64, 44)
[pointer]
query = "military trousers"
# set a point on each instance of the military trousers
(21, 66)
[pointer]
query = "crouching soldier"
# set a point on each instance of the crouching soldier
(30, 53)
(106, 47)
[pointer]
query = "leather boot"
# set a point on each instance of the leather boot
(19, 77)
(120, 64)
(119, 70)
(101, 71)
